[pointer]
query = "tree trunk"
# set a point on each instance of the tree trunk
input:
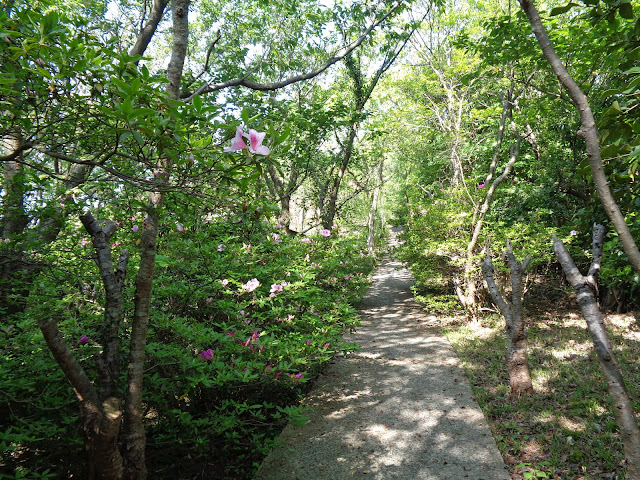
(466, 289)
(134, 437)
(517, 366)
(585, 287)
(588, 131)
(374, 210)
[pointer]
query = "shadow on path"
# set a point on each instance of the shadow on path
(399, 408)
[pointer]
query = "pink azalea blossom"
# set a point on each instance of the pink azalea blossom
(326, 345)
(481, 185)
(224, 282)
(325, 233)
(115, 244)
(83, 242)
(251, 285)
(271, 295)
(208, 300)
(180, 228)
(297, 376)
(308, 342)
(83, 339)
(237, 143)
(220, 247)
(135, 229)
(206, 354)
(305, 240)
(276, 288)
(573, 232)
(255, 142)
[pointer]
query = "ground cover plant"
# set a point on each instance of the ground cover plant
(244, 318)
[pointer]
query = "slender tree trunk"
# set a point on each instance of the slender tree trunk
(134, 437)
(588, 131)
(585, 287)
(374, 210)
(466, 289)
(517, 366)
(329, 213)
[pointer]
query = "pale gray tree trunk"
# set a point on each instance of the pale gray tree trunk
(588, 131)
(585, 288)
(371, 224)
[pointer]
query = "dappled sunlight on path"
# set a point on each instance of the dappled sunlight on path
(399, 408)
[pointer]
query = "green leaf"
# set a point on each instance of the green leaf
(197, 102)
(626, 10)
(560, 10)
(138, 138)
(245, 116)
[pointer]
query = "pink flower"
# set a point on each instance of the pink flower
(278, 374)
(278, 226)
(83, 242)
(237, 143)
(276, 288)
(135, 229)
(325, 233)
(255, 142)
(7, 240)
(305, 240)
(297, 376)
(83, 339)
(206, 354)
(481, 185)
(275, 238)
(208, 300)
(224, 282)
(180, 228)
(308, 342)
(271, 295)
(326, 345)
(220, 247)
(115, 244)
(573, 233)
(284, 284)
(251, 285)
(268, 368)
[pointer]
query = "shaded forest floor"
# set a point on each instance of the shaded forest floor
(566, 430)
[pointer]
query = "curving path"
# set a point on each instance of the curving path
(400, 408)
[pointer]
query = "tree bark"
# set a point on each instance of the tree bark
(588, 131)
(134, 437)
(100, 420)
(374, 210)
(108, 361)
(517, 366)
(585, 287)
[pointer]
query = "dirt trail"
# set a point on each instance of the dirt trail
(399, 408)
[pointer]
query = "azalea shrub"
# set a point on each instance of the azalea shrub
(244, 317)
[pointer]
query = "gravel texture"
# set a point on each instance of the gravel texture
(399, 408)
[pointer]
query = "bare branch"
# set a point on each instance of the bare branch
(244, 82)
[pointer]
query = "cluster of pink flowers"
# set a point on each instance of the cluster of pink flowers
(251, 285)
(305, 240)
(250, 342)
(255, 142)
(325, 233)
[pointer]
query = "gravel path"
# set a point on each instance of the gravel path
(400, 408)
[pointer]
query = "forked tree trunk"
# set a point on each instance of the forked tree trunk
(517, 366)
(585, 287)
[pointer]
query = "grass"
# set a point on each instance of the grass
(566, 429)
